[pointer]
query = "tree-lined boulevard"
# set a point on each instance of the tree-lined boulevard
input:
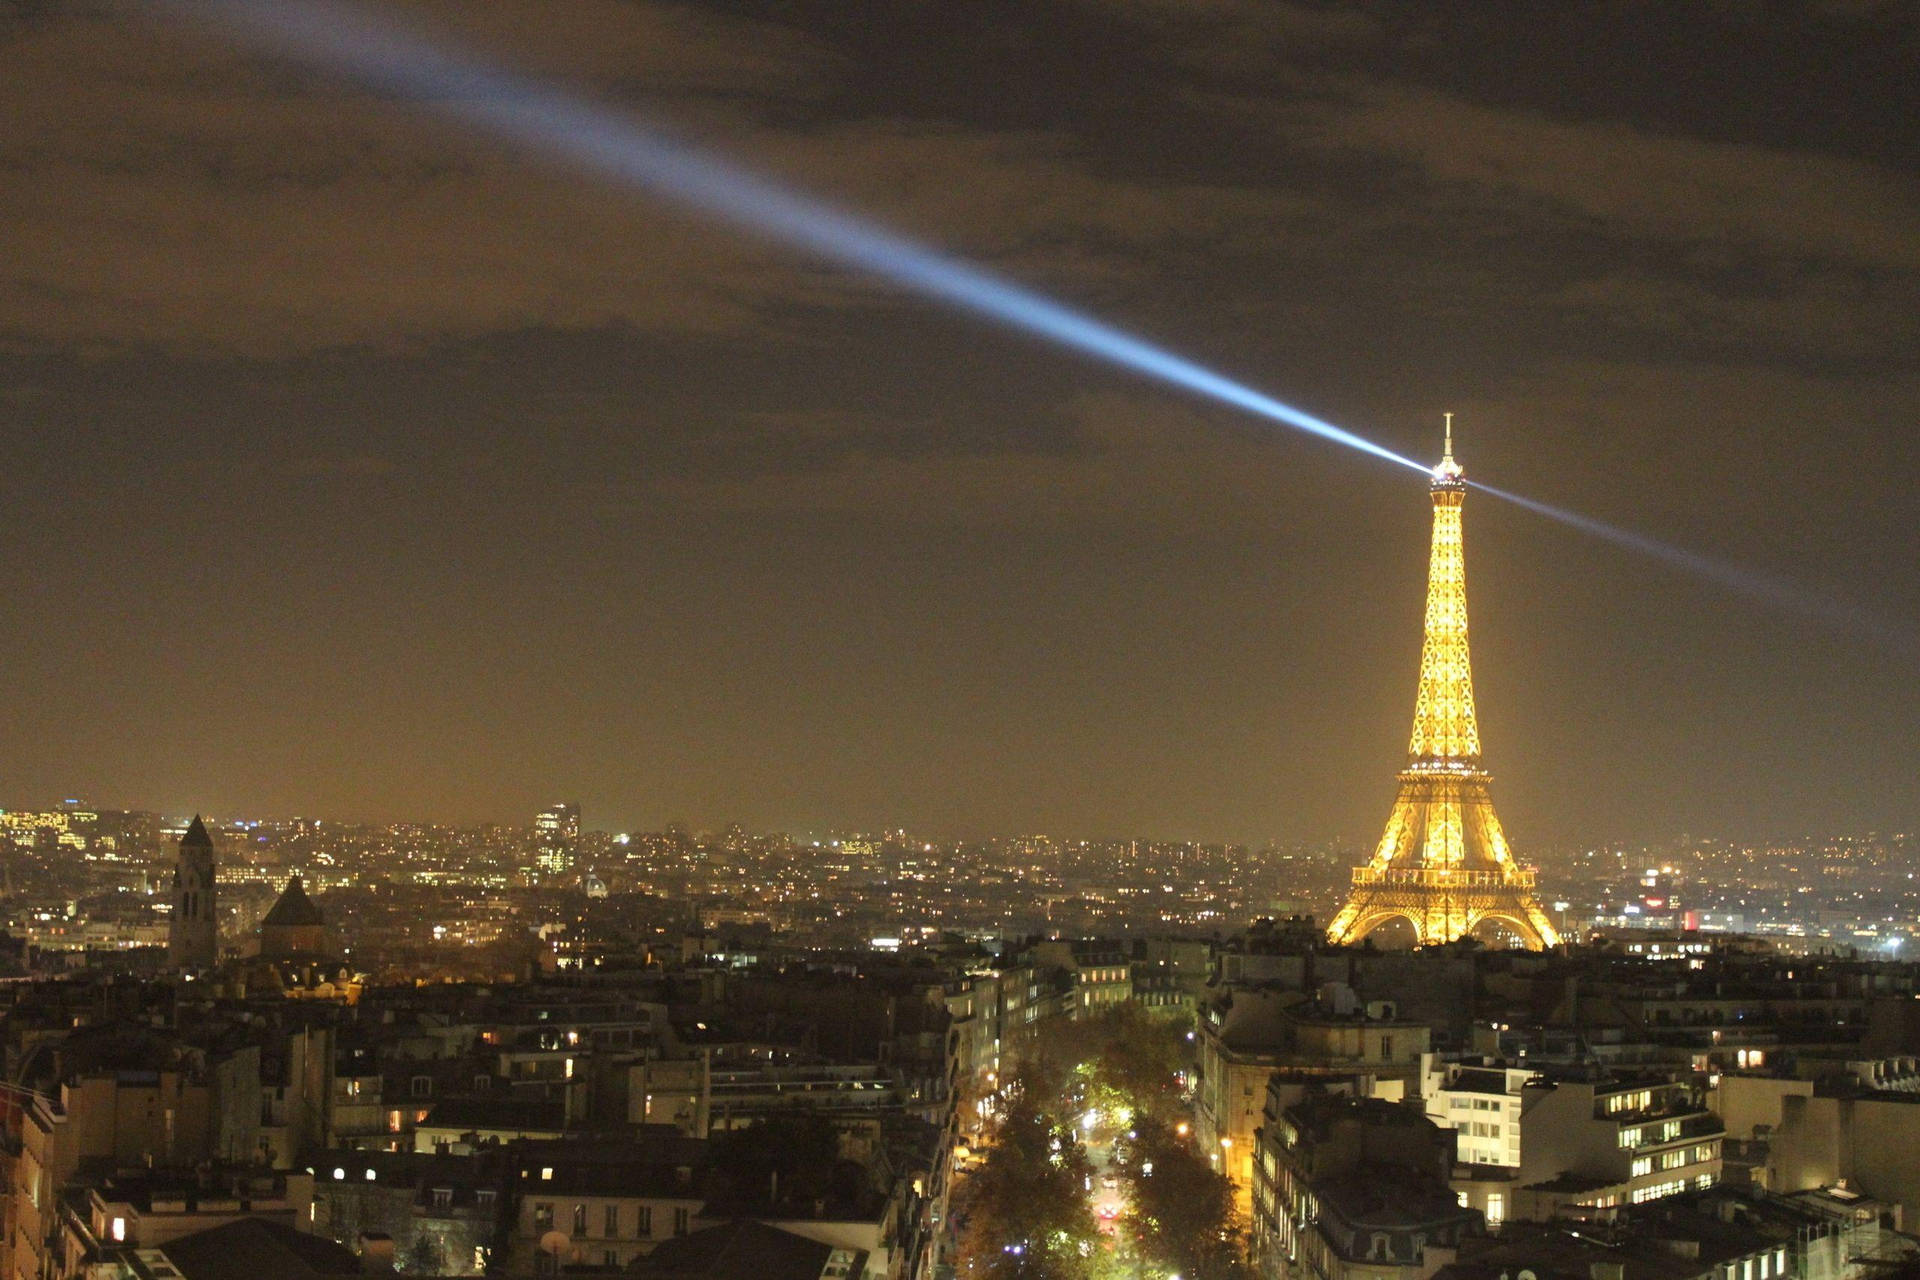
(1088, 1168)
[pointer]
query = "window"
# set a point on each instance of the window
(612, 1221)
(393, 1122)
(1496, 1208)
(579, 1219)
(680, 1217)
(1642, 1166)
(443, 1198)
(482, 1084)
(483, 1199)
(421, 1086)
(543, 1217)
(644, 1228)
(610, 1258)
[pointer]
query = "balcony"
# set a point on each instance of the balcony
(1641, 1135)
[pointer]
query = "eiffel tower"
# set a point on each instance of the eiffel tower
(1443, 864)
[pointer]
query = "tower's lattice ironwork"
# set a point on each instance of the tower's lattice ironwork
(1443, 864)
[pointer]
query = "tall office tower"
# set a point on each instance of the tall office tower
(555, 831)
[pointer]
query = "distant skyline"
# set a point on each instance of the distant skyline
(357, 465)
(1364, 839)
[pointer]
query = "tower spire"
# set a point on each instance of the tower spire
(1446, 731)
(1448, 471)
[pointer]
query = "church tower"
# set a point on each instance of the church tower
(193, 931)
(1444, 865)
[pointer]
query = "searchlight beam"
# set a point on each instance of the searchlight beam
(354, 43)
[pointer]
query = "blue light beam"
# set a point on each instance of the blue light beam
(1774, 592)
(352, 43)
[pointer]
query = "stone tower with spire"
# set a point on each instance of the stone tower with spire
(1443, 865)
(193, 931)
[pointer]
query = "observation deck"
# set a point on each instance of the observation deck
(1443, 878)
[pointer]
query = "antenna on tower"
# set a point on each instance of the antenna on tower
(1448, 454)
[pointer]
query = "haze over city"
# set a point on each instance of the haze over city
(364, 465)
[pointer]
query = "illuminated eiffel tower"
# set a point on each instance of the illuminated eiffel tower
(1443, 864)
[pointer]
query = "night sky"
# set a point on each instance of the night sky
(359, 465)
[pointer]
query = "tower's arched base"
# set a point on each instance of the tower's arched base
(1440, 914)
(1444, 867)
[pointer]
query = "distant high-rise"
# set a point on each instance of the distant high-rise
(1443, 865)
(555, 831)
(193, 931)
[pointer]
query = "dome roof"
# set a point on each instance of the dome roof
(294, 908)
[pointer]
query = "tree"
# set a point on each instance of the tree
(1024, 1211)
(1181, 1213)
(1123, 1058)
(1140, 1060)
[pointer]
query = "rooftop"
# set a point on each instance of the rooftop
(742, 1251)
(293, 909)
(248, 1249)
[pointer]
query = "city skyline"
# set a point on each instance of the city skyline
(363, 466)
